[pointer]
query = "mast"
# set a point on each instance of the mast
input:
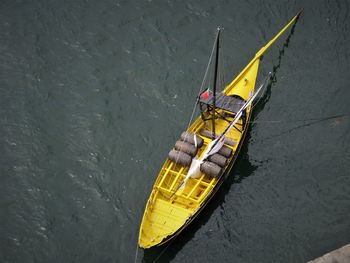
(214, 84)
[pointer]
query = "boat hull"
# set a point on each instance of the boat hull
(177, 198)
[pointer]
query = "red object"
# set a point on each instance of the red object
(205, 95)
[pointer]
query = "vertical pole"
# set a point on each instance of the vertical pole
(214, 84)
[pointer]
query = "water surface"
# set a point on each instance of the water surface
(93, 94)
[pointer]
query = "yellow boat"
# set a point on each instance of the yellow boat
(204, 156)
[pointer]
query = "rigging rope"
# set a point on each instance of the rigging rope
(137, 252)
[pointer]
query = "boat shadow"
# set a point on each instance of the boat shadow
(242, 168)
(267, 94)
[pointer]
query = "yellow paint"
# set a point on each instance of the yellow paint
(165, 213)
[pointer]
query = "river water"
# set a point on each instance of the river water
(93, 94)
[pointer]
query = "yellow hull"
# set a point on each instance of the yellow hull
(166, 213)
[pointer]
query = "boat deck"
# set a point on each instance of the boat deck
(166, 212)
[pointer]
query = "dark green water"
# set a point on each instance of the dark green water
(93, 94)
